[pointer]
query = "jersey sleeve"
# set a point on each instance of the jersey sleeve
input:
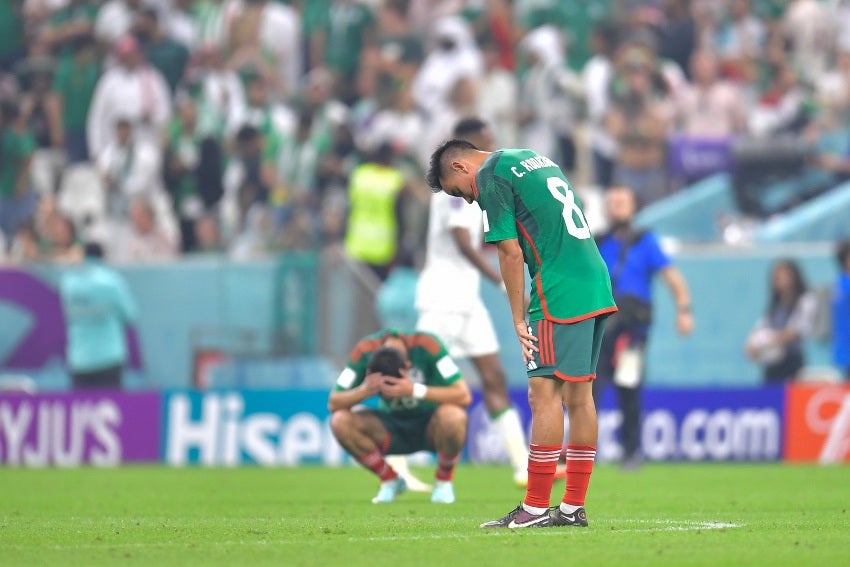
(355, 370)
(443, 370)
(496, 200)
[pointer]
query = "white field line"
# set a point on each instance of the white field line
(659, 526)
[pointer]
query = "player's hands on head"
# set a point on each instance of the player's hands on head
(373, 383)
(526, 341)
(393, 387)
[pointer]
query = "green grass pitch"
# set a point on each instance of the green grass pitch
(685, 514)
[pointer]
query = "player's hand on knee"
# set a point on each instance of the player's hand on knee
(526, 341)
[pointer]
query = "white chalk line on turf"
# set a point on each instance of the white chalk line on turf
(663, 526)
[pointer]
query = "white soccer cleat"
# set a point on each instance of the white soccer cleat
(389, 491)
(444, 492)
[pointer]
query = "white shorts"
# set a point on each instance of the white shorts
(466, 335)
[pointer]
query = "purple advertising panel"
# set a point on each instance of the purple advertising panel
(699, 157)
(72, 429)
(677, 425)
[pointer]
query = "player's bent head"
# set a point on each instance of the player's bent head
(387, 360)
(441, 161)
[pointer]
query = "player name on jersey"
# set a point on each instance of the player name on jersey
(538, 162)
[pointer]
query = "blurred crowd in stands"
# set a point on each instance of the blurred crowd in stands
(161, 128)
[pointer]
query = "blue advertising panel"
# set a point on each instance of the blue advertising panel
(233, 427)
(290, 428)
(677, 425)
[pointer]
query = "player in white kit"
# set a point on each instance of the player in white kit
(459, 318)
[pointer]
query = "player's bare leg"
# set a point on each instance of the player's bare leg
(503, 414)
(362, 435)
(447, 432)
(580, 452)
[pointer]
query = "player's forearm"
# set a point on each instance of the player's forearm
(347, 399)
(457, 394)
(513, 274)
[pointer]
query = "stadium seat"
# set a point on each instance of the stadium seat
(692, 214)
(822, 218)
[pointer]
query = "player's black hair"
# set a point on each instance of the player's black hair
(441, 157)
(842, 254)
(469, 126)
(386, 360)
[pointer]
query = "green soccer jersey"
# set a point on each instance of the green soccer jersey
(430, 365)
(524, 195)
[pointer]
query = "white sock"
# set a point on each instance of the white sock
(533, 510)
(510, 429)
(568, 508)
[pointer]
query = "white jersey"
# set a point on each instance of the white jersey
(449, 281)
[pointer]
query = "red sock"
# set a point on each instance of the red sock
(375, 462)
(542, 461)
(446, 466)
(579, 467)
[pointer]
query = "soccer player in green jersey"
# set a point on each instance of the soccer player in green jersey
(423, 401)
(533, 217)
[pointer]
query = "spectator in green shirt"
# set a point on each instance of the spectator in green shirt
(73, 88)
(17, 200)
(350, 31)
(11, 33)
(167, 55)
(70, 24)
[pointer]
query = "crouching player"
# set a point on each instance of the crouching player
(422, 406)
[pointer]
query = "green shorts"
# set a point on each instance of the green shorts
(568, 352)
(407, 431)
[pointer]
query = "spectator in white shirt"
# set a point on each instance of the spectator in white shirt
(129, 167)
(497, 98)
(132, 90)
(709, 107)
(146, 239)
(596, 76)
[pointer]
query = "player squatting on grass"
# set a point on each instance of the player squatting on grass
(423, 401)
(532, 215)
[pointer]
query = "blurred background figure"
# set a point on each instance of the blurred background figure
(147, 238)
(17, 198)
(549, 98)
(776, 340)
(130, 166)
(374, 229)
(133, 90)
(633, 257)
(97, 305)
(841, 310)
